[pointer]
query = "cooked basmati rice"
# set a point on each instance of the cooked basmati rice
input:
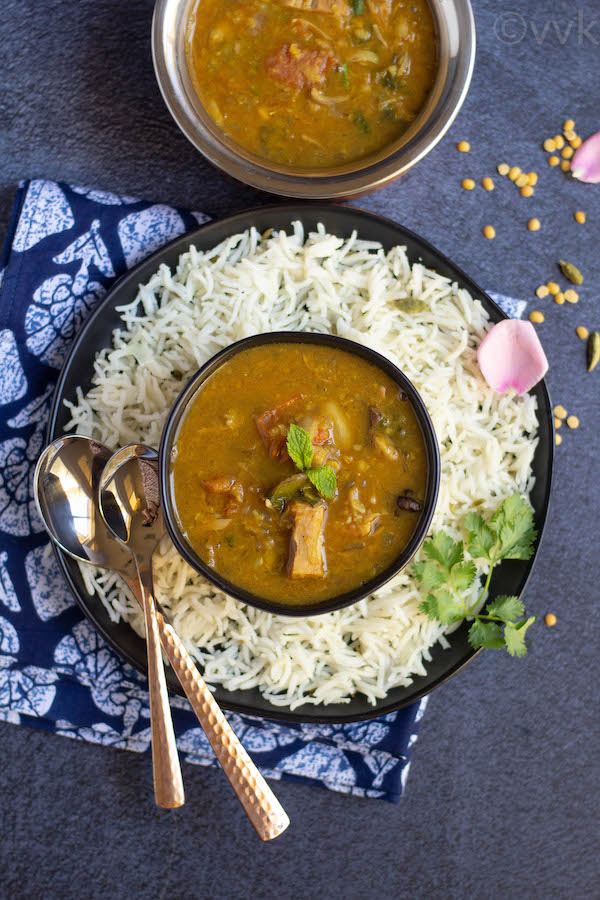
(350, 287)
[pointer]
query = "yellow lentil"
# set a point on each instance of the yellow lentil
(560, 412)
(558, 423)
(565, 165)
(553, 160)
(570, 134)
(571, 296)
(553, 288)
(542, 291)
(567, 153)
(559, 298)
(569, 125)
(532, 178)
(582, 332)
(534, 225)
(527, 191)
(557, 439)
(514, 173)
(463, 146)
(549, 145)
(580, 217)
(489, 232)
(503, 169)
(488, 184)
(559, 142)
(536, 317)
(550, 619)
(576, 142)
(522, 180)
(468, 184)
(572, 421)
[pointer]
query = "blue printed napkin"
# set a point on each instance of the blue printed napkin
(66, 246)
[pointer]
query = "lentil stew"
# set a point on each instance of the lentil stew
(298, 472)
(312, 83)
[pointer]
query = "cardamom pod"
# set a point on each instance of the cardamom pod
(411, 306)
(593, 351)
(571, 272)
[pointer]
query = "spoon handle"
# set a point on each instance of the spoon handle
(168, 783)
(260, 803)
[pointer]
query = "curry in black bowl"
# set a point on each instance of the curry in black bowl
(299, 471)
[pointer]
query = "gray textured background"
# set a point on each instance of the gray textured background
(502, 797)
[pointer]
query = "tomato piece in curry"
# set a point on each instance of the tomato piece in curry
(250, 513)
(312, 83)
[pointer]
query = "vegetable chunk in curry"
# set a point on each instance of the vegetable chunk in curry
(312, 83)
(299, 472)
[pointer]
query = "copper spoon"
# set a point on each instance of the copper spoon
(129, 502)
(66, 491)
(127, 487)
(66, 484)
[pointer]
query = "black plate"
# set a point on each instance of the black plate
(509, 578)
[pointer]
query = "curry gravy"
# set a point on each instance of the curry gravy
(312, 83)
(240, 499)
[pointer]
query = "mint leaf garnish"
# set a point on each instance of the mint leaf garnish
(300, 449)
(299, 446)
(325, 481)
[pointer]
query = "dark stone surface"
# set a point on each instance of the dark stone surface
(502, 799)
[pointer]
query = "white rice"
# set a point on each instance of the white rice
(327, 284)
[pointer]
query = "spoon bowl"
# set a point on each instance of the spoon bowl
(66, 489)
(130, 498)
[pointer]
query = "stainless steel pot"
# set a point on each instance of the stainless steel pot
(456, 38)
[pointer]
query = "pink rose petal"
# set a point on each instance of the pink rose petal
(586, 163)
(511, 356)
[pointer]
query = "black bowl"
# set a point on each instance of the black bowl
(169, 438)
(510, 576)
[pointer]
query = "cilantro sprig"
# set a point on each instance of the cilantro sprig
(509, 534)
(300, 449)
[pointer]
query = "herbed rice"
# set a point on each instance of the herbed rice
(323, 283)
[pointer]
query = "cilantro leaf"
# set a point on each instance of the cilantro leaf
(481, 539)
(514, 636)
(444, 550)
(463, 575)
(428, 606)
(450, 608)
(514, 525)
(429, 575)
(325, 481)
(299, 446)
(506, 608)
(486, 634)
(443, 606)
(509, 534)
